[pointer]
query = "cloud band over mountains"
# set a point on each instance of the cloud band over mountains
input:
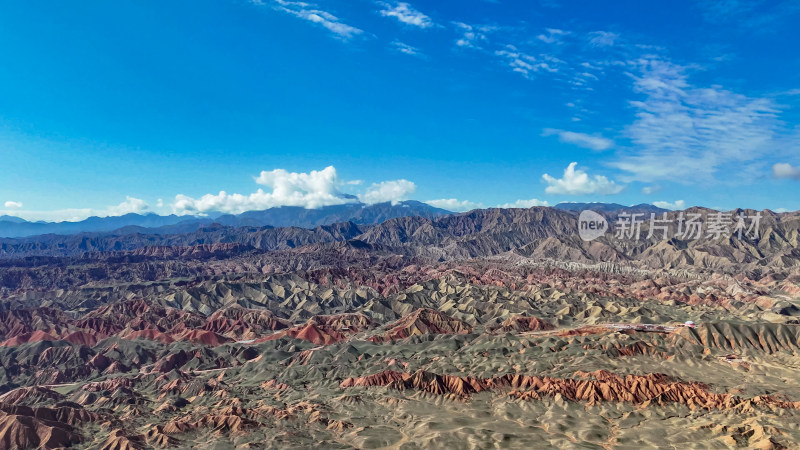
(312, 190)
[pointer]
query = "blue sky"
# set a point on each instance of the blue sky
(115, 107)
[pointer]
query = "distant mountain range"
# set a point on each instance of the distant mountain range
(611, 207)
(539, 233)
(285, 216)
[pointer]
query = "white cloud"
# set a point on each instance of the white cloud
(686, 134)
(130, 205)
(308, 12)
(602, 38)
(315, 187)
(405, 48)
(471, 36)
(577, 181)
(679, 204)
(552, 36)
(781, 210)
(160, 203)
(388, 191)
(526, 64)
(11, 204)
(647, 190)
(589, 141)
(406, 14)
(525, 203)
(309, 190)
(779, 170)
(452, 204)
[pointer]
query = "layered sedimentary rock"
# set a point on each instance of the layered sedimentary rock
(496, 327)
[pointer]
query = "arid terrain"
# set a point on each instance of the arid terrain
(496, 328)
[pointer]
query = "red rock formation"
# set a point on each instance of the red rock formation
(81, 338)
(236, 321)
(30, 395)
(64, 414)
(149, 334)
(21, 431)
(326, 330)
(315, 334)
(35, 336)
(220, 423)
(15, 322)
(137, 315)
(204, 337)
(308, 332)
(422, 321)
(120, 440)
(637, 348)
(156, 437)
(595, 387)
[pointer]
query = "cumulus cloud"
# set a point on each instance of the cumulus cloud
(309, 190)
(310, 13)
(11, 204)
(575, 182)
(313, 189)
(388, 191)
(779, 170)
(453, 204)
(597, 143)
(525, 203)
(406, 14)
(679, 204)
(130, 205)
